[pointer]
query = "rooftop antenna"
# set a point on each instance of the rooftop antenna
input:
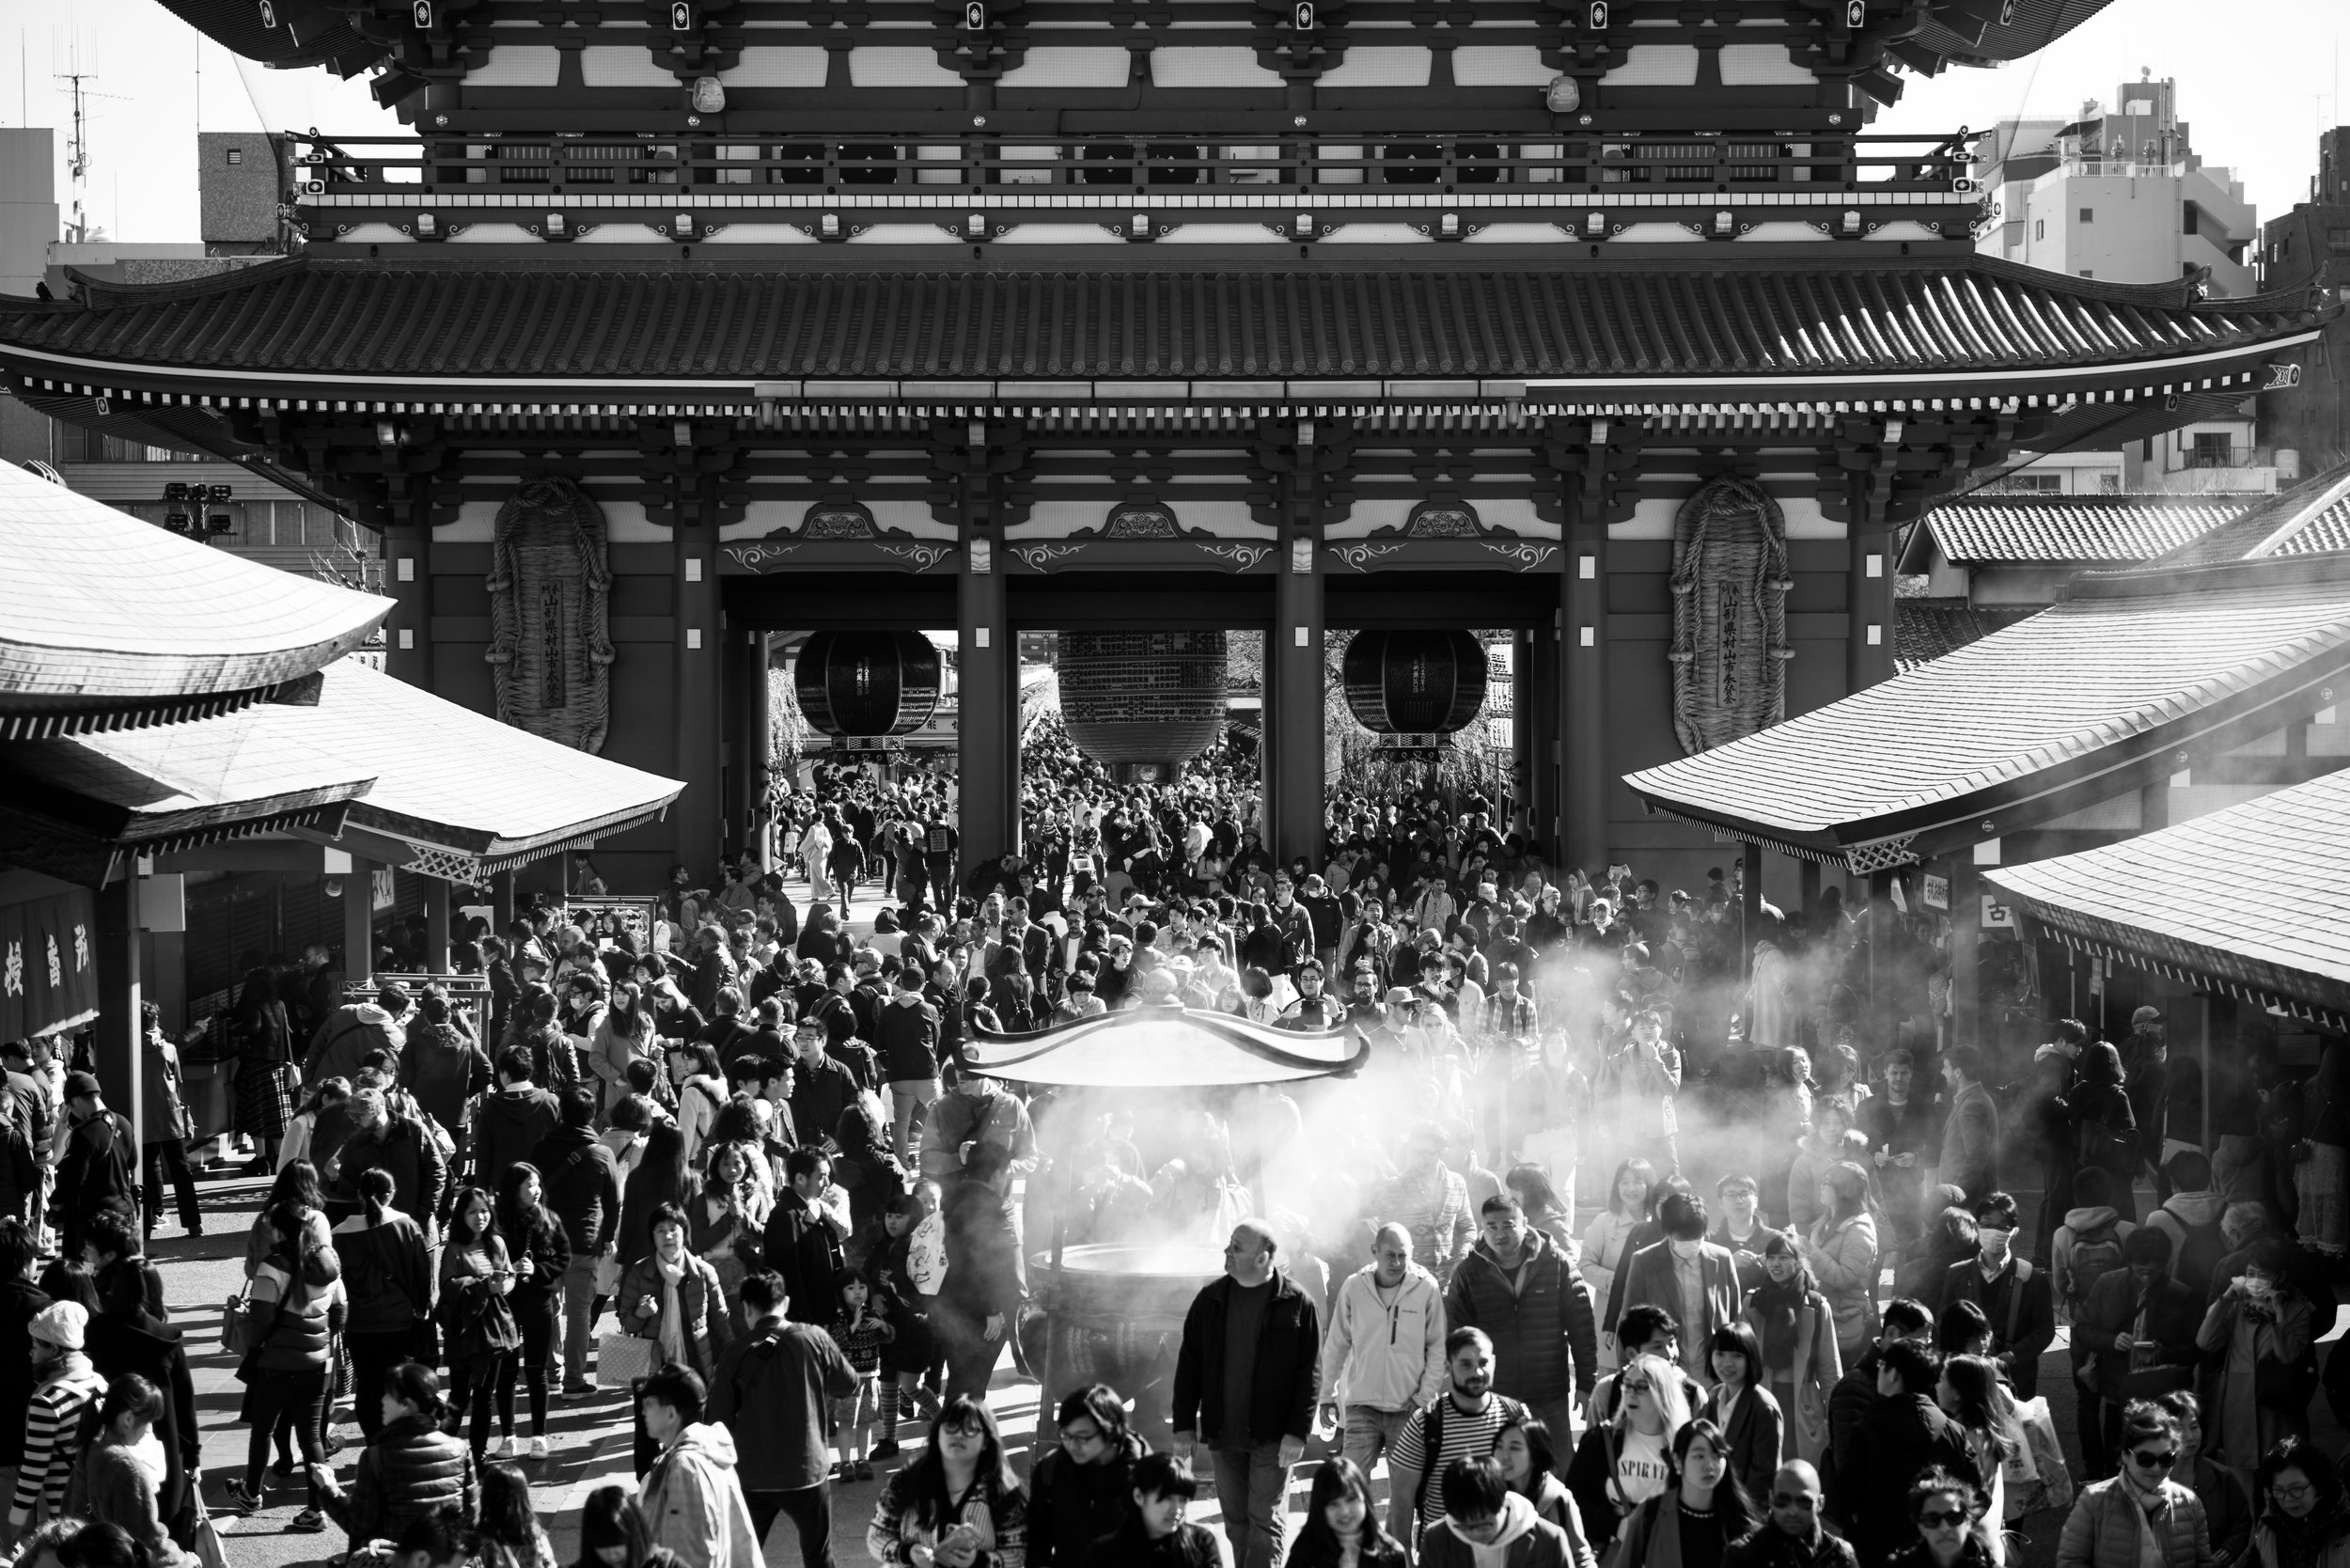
(77, 144)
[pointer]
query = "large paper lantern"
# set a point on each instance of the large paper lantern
(1414, 687)
(867, 685)
(1143, 703)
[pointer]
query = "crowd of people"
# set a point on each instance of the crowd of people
(1636, 1239)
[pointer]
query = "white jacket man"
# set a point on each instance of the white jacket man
(1383, 1356)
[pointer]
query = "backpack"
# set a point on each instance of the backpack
(2195, 1249)
(1431, 1423)
(2095, 1254)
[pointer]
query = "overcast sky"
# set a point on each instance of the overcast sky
(2257, 80)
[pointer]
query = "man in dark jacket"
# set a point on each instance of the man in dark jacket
(1245, 1379)
(128, 1334)
(1662, 1274)
(1792, 1536)
(512, 1121)
(980, 1307)
(1519, 1287)
(2013, 1295)
(802, 1245)
(1902, 1434)
(352, 1033)
(443, 1066)
(582, 1186)
(821, 1088)
(20, 1300)
(1856, 1394)
(101, 1167)
(908, 1043)
(2134, 1338)
(770, 1389)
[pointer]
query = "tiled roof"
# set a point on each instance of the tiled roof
(2313, 518)
(1926, 629)
(2065, 529)
(98, 607)
(456, 320)
(2178, 896)
(2089, 685)
(1958, 34)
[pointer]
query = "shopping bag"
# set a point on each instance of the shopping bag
(2054, 1488)
(621, 1358)
(236, 1324)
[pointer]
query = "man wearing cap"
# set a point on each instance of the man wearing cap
(354, 1031)
(100, 1165)
(69, 1385)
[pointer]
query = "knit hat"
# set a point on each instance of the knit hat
(62, 1324)
(79, 1084)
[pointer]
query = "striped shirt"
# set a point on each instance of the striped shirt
(1459, 1434)
(53, 1439)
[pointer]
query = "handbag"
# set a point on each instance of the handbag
(204, 1541)
(236, 1324)
(622, 1358)
(2285, 1385)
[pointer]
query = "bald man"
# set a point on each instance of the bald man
(1245, 1382)
(1384, 1357)
(1794, 1537)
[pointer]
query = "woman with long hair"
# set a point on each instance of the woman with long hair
(662, 1176)
(1543, 1210)
(387, 1271)
(410, 1466)
(1605, 1241)
(726, 1216)
(543, 1253)
(1083, 1490)
(296, 1306)
(508, 1525)
(613, 1533)
(1621, 1463)
(1841, 1252)
(2226, 1504)
(119, 1477)
(2105, 1126)
(295, 1188)
(623, 1034)
(959, 1489)
(1529, 1462)
(1950, 1515)
(477, 1276)
(261, 1029)
(1748, 1414)
(295, 1144)
(1701, 1510)
(1831, 1119)
(1801, 1362)
(1971, 1394)
(1342, 1529)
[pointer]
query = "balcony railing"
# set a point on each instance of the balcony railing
(976, 180)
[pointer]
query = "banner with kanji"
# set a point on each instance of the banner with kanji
(48, 965)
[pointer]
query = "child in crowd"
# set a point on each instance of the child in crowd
(861, 1331)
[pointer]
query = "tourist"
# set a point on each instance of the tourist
(479, 1333)
(100, 1166)
(1527, 1293)
(1685, 1272)
(542, 1260)
(387, 1275)
(770, 1389)
(261, 1035)
(2192, 1217)
(975, 1113)
(1741, 1229)
(1701, 1510)
(1793, 1535)
(1083, 1490)
(297, 1306)
(2227, 1507)
(1484, 1522)
(613, 1533)
(1746, 1414)
(2259, 1333)
(1899, 1128)
(1905, 1432)
(1970, 1128)
(1341, 1527)
(2014, 1294)
(353, 1031)
(673, 1299)
(1153, 1534)
(409, 1467)
(442, 1068)
(1801, 1360)
(1841, 1253)
(2302, 1519)
(957, 1505)
(1972, 1395)
(693, 1498)
(1948, 1514)
(2137, 1334)
(1606, 1240)
(514, 1120)
(2106, 1129)
(1529, 1462)
(1246, 1376)
(580, 1185)
(1466, 1419)
(167, 1127)
(1621, 1463)
(2141, 1516)
(980, 1307)
(1383, 1355)
(119, 1477)
(508, 1525)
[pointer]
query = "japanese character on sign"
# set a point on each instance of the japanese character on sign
(12, 979)
(56, 966)
(81, 947)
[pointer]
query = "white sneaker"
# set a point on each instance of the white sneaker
(509, 1448)
(537, 1448)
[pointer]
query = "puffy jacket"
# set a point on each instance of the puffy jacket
(908, 1033)
(408, 1469)
(2102, 1531)
(1845, 1262)
(347, 1038)
(1386, 1355)
(584, 1192)
(297, 1309)
(1546, 1344)
(444, 1070)
(412, 1158)
(1071, 1506)
(386, 1271)
(694, 1503)
(769, 1390)
(510, 1125)
(1287, 1372)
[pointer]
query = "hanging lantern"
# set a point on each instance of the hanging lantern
(865, 688)
(1412, 689)
(1143, 703)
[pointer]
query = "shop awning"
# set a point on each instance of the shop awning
(108, 622)
(2247, 901)
(1164, 1047)
(2113, 689)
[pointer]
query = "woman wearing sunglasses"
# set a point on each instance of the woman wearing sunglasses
(2302, 1520)
(1947, 1512)
(2140, 1516)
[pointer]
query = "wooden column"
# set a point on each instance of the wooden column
(988, 708)
(408, 579)
(1545, 712)
(699, 814)
(758, 737)
(120, 993)
(745, 673)
(1522, 752)
(1880, 969)
(1584, 773)
(1869, 595)
(1749, 906)
(1807, 887)
(1966, 946)
(359, 921)
(435, 926)
(1293, 682)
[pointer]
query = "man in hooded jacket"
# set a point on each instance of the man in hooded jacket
(354, 1032)
(511, 1121)
(692, 1498)
(770, 1389)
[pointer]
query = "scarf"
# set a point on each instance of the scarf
(672, 1325)
(1778, 1312)
(2302, 1543)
